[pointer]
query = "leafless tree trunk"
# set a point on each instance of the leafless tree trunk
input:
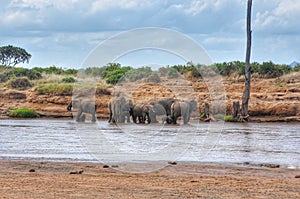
(246, 94)
(206, 110)
(236, 109)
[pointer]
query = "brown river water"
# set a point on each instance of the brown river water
(221, 143)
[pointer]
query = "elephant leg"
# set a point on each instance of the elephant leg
(110, 117)
(122, 118)
(174, 120)
(153, 118)
(149, 118)
(79, 113)
(141, 120)
(128, 118)
(185, 119)
(94, 117)
(188, 117)
(82, 118)
(134, 118)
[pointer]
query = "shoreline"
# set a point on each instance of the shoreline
(257, 119)
(23, 179)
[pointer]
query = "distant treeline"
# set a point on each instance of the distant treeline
(112, 72)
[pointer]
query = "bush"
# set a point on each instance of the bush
(3, 77)
(153, 77)
(68, 80)
(138, 73)
(19, 83)
(95, 71)
(102, 89)
(58, 89)
(230, 68)
(226, 118)
(230, 118)
(115, 75)
(25, 72)
(23, 113)
(271, 70)
(71, 72)
(296, 68)
(219, 116)
(169, 72)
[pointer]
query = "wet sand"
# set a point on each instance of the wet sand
(19, 179)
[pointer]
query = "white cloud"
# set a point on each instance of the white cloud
(73, 27)
(43, 4)
(18, 16)
(198, 6)
(102, 5)
(282, 17)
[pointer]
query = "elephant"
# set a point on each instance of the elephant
(161, 107)
(83, 106)
(158, 109)
(119, 109)
(184, 109)
(142, 112)
(167, 119)
(167, 103)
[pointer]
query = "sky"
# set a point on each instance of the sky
(64, 33)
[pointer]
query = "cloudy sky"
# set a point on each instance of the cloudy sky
(63, 33)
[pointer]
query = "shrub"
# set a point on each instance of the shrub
(58, 89)
(25, 72)
(3, 77)
(219, 116)
(111, 67)
(296, 68)
(138, 73)
(169, 72)
(94, 71)
(102, 89)
(68, 80)
(23, 113)
(153, 77)
(71, 72)
(19, 83)
(114, 75)
(271, 70)
(230, 118)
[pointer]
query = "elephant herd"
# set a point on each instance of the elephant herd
(123, 110)
(171, 109)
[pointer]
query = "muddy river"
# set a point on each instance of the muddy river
(221, 143)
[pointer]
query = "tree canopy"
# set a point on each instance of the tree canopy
(11, 55)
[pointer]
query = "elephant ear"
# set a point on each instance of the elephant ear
(193, 105)
(159, 109)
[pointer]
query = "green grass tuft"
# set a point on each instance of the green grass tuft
(23, 113)
(230, 118)
(58, 89)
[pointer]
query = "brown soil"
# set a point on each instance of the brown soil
(91, 180)
(271, 99)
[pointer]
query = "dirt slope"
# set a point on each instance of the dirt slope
(271, 99)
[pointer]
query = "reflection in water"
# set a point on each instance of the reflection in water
(62, 140)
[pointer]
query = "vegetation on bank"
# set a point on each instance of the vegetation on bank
(23, 113)
(57, 80)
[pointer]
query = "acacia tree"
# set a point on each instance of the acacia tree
(11, 55)
(246, 94)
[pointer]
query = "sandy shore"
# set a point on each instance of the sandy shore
(93, 180)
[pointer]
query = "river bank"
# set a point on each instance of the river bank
(19, 179)
(271, 100)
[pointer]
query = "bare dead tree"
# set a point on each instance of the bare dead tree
(246, 94)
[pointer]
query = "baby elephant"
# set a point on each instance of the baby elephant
(167, 119)
(142, 112)
(83, 106)
(184, 109)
